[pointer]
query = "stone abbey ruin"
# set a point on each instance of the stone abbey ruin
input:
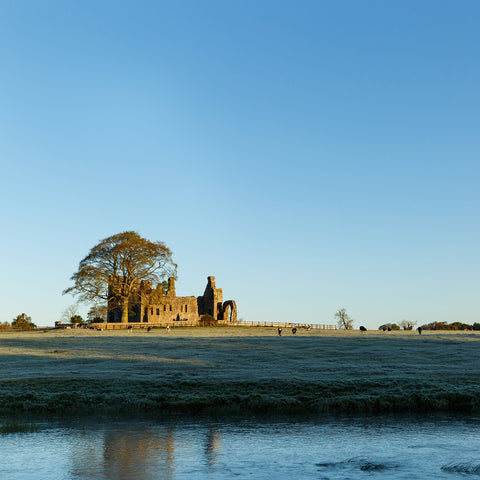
(160, 306)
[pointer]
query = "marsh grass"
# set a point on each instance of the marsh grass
(16, 427)
(237, 370)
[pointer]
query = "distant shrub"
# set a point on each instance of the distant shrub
(96, 320)
(207, 321)
(392, 326)
(76, 319)
(23, 321)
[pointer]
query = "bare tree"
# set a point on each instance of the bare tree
(97, 314)
(407, 324)
(343, 319)
(69, 313)
(114, 269)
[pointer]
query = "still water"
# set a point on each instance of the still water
(433, 447)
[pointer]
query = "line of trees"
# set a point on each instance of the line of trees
(451, 326)
(96, 314)
(407, 325)
(345, 322)
(404, 324)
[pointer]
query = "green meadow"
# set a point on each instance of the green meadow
(238, 370)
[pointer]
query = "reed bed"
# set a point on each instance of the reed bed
(10, 427)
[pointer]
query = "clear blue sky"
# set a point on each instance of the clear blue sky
(312, 155)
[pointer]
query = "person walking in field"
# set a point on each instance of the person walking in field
(279, 332)
(168, 328)
(294, 330)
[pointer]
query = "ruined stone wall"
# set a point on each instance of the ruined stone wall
(159, 307)
(172, 309)
(229, 312)
(212, 300)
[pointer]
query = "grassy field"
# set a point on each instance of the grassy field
(238, 370)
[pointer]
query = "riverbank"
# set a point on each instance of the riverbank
(238, 370)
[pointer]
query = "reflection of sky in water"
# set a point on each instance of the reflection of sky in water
(388, 447)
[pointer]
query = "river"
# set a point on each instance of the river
(428, 447)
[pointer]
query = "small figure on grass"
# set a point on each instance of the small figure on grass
(149, 328)
(294, 330)
(279, 330)
(167, 329)
(419, 330)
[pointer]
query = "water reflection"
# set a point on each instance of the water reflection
(150, 449)
(212, 446)
(126, 452)
(139, 450)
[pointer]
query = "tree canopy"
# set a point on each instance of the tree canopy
(76, 319)
(23, 321)
(114, 269)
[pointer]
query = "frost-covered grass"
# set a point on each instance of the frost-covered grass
(239, 369)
